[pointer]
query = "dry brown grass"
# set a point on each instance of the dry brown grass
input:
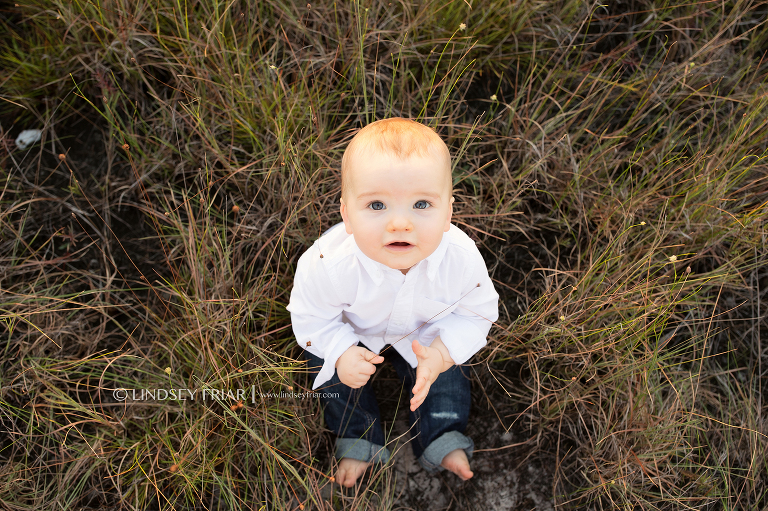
(609, 160)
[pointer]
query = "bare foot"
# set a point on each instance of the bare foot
(457, 462)
(349, 470)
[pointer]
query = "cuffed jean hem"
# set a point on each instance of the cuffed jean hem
(361, 449)
(447, 442)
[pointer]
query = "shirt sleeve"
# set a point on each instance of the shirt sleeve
(316, 314)
(465, 329)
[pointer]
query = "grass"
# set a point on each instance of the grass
(610, 160)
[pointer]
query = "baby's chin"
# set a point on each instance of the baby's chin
(403, 262)
(398, 261)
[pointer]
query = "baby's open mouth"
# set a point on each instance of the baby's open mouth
(399, 246)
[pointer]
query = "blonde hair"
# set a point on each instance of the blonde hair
(396, 136)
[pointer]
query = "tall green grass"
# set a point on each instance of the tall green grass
(609, 160)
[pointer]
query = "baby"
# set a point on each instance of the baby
(399, 282)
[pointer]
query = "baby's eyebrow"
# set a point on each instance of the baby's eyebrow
(369, 194)
(429, 195)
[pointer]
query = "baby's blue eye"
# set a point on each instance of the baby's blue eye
(376, 205)
(422, 204)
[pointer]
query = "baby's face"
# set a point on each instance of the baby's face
(397, 209)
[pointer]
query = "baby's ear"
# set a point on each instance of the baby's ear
(450, 214)
(345, 216)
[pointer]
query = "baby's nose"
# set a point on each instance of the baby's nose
(400, 223)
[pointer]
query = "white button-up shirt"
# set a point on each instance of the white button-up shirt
(340, 296)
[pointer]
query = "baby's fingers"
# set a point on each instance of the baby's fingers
(360, 380)
(418, 398)
(420, 387)
(421, 352)
(372, 357)
(416, 404)
(417, 386)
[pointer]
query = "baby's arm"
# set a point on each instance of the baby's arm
(355, 366)
(433, 360)
(317, 314)
(460, 334)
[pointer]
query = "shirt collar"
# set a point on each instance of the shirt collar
(376, 270)
(434, 260)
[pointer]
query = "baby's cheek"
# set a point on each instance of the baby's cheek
(432, 235)
(370, 238)
(373, 226)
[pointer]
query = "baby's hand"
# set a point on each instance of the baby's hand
(355, 366)
(431, 364)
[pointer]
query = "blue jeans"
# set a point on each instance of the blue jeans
(437, 425)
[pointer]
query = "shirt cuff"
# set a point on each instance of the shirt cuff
(460, 336)
(338, 345)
